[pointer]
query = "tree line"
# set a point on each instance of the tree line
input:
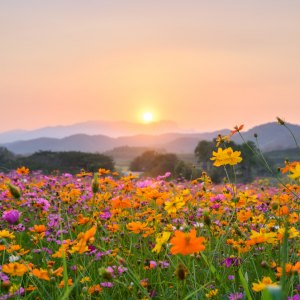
(150, 163)
(65, 162)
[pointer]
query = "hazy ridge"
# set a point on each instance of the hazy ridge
(271, 136)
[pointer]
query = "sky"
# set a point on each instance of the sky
(203, 64)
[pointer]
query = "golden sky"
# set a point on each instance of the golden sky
(204, 64)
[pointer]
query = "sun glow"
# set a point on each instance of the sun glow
(148, 117)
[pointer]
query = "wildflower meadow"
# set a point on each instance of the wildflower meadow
(109, 236)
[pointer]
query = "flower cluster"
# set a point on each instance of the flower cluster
(124, 237)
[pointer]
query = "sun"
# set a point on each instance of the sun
(148, 117)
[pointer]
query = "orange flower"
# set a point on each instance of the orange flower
(82, 220)
(289, 269)
(41, 274)
(84, 174)
(13, 248)
(244, 215)
(58, 272)
(23, 171)
(15, 269)
(88, 235)
(30, 288)
(103, 171)
(186, 243)
(62, 249)
(39, 229)
(62, 283)
(113, 227)
(283, 211)
(236, 129)
(95, 289)
(120, 203)
(289, 166)
(296, 267)
(137, 227)
(80, 247)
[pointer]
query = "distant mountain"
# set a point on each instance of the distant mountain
(112, 129)
(100, 143)
(271, 137)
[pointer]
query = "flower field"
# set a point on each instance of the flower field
(104, 236)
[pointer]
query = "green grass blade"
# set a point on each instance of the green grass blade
(245, 285)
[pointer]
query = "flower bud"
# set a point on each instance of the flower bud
(95, 184)
(105, 274)
(280, 121)
(207, 220)
(14, 190)
(181, 272)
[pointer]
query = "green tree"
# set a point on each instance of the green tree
(153, 164)
(8, 160)
(203, 153)
(69, 161)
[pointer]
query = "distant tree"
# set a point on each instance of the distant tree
(164, 163)
(203, 152)
(183, 170)
(8, 160)
(69, 161)
(153, 164)
(144, 162)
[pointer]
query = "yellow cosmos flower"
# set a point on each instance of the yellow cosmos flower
(295, 172)
(293, 233)
(161, 239)
(211, 293)
(262, 237)
(85, 279)
(6, 234)
(266, 281)
(226, 157)
(172, 206)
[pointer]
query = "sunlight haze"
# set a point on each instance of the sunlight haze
(203, 64)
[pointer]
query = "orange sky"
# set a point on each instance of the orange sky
(204, 64)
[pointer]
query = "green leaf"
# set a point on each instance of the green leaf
(245, 284)
(211, 267)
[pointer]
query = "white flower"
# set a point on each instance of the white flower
(14, 258)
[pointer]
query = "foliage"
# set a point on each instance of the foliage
(7, 159)
(48, 161)
(153, 163)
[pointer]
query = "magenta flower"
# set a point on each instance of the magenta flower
(107, 284)
(11, 216)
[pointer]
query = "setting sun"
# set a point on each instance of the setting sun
(148, 117)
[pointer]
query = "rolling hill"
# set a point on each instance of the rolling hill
(271, 136)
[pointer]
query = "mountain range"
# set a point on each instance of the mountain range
(270, 136)
(111, 129)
